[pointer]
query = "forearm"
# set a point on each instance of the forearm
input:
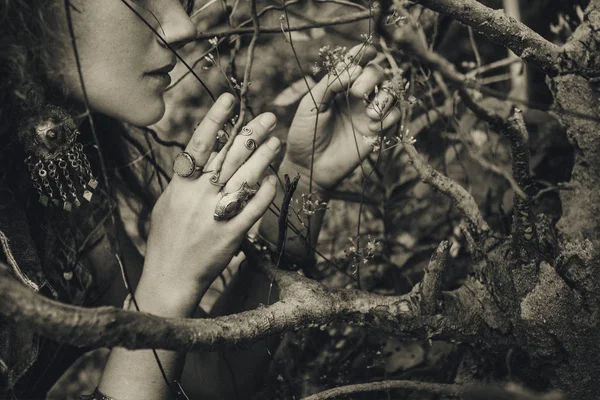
(132, 375)
(303, 229)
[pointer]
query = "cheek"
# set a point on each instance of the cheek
(124, 93)
(114, 50)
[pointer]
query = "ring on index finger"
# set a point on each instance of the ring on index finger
(184, 165)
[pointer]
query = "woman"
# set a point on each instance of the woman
(112, 57)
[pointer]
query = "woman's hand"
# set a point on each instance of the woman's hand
(341, 119)
(187, 247)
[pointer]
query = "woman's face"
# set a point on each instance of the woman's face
(124, 64)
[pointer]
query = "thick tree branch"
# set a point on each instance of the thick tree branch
(303, 303)
(502, 29)
(306, 303)
(435, 388)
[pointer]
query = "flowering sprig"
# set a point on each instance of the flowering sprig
(333, 60)
(362, 255)
(309, 206)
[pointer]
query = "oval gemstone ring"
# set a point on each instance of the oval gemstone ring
(184, 165)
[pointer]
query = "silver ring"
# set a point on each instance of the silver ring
(250, 144)
(184, 165)
(231, 204)
(214, 179)
(246, 131)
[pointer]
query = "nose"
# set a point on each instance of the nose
(177, 26)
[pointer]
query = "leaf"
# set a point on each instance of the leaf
(294, 92)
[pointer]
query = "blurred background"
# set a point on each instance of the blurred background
(401, 219)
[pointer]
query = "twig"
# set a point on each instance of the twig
(248, 70)
(496, 169)
(453, 390)
(277, 29)
(430, 285)
(220, 159)
(462, 199)
(474, 47)
(494, 65)
(289, 189)
(518, 75)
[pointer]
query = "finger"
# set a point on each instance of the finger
(203, 139)
(253, 170)
(381, 105)
(243, 146)
(258, 205)
(333, 84)
(391, 119)
(371, 76)
(346, 72)
(361, 54)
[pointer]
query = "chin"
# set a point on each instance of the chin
(143, 114)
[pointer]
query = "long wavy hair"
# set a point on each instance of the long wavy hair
(26, 34)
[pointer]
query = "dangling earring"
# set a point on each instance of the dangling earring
(60, 171)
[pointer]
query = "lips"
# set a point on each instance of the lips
(164, 70)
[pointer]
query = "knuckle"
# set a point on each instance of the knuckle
(199, 146)
(216, 115)
(233, 185)
(231, 163)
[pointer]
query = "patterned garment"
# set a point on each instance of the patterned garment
(45, 253)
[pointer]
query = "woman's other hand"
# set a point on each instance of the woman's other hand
(343, 119)
(187, 247)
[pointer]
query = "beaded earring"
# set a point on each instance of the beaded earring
(60, 171)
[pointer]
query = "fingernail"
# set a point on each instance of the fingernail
(226, 100)
(267, 120)
(273, 143)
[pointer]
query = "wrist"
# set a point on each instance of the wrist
(154, 296)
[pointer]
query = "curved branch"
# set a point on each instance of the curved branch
(303, 303)
(453, 390)
(463, 200)
(502, 29)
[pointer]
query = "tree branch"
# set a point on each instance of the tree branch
(303, 303)
(502, 29)
(345, 19)
(462, 199)
(525, 239)
(429, 289)
(435, 388)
